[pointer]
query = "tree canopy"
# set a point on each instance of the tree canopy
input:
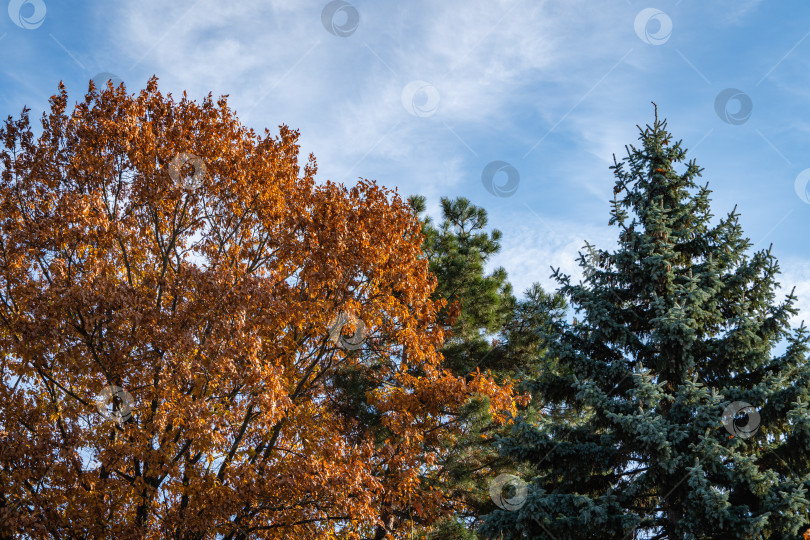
(676, 400)
(199, 340)
(181, 305)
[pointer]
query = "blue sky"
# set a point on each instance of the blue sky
(421, 96)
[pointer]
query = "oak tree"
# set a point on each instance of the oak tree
(180, 305)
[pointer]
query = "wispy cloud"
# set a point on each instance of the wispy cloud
(553, 88)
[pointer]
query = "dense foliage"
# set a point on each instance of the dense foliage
(182, 308)
(656, 390)
(488, 330)
(198, 340)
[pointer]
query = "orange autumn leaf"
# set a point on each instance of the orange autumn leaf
(171, 290)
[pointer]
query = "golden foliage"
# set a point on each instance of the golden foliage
(210, 303)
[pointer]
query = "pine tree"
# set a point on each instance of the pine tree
(489, 331)
(679, 329)
(478, 304)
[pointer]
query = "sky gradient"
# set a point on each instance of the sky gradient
(423, 96)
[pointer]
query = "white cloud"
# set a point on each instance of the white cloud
(279, 64)
(531, 248)
(495, 64)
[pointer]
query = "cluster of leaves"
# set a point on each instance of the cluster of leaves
(211, 304)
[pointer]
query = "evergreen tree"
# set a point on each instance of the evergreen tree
(489, 331)
(678, 326)
(478, 304)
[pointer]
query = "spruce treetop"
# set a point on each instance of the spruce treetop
(675, 327)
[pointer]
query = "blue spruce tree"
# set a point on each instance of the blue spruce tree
(676, 407)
